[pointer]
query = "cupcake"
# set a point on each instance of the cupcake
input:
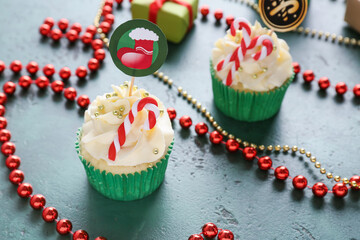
(125, 142)
(251, 71)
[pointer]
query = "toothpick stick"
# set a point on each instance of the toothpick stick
(271, 32)
(131, 85)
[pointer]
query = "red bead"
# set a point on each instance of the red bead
(99, 54)
(86, 38)
(355, 179)
(81, 72)
(5, 135)
(49, 214)
(210, 230)
(308, 76)
(319, 189)
(356, 90)
(77, 27)
(105, 27)
(16, 66)
(70, 94)
(108, 3)
(3, 98)
(93, 64)
(201, 128)
(83, 101)
(265, 163)
(100, 238)
(13, 162)
(9, 88)
(324, 83)
(106, 10)
(32, 67)
(296, 67)
(196, 237)
(185, 122)
(49, 21)
(225, 235)
(218, 14)
(16, 176)
(3, 122)
(172, 113)
(91, 29)
(204, 10)
(119, 2)
(8, 148)
(2, 110)
(57, 86)
(249, 153)
(44, 29)
(109, 18)
(42, 82)
(37, 201)
(215, 137)
(2, 66)
(232, 145)
(72, 35)
(300, 182)
(340, 190)
(229, 20)
(281, 173)
(63, 226)
(24, 190)
(56, 34)
(97, 44)
(65, 73)
(49, 70)
(63, 24)
(80, 235)
(341, 88)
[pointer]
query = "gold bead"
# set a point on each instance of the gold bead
(170, 82)
(108, 95)
(189, 98)
(96, 114)
(160, 75)
(135, 87)
(353, 184)
(161, 112)
(101, 107)
(353, 41)
(122, 108)
(114, 94)
(337, 178)
(165, 79)
(294, 148)
(327, 34)
(126, 84)
(215, 124)
(308, 154)
(253, 145)
(255, 76)
(262, 147)
(345, 180)
(300, 29)
(184, 93)
(219, 129)
(99, 30)
(317, 165)
(358, 42)
(333, 37)
(269, 148)
(203, 110)
(286, 148)
(240, 69)
(146, 94)
(322, 170)
(231, 136)
(211, 119)
(120, 116)
(277, 148)
(302, 150)
(307, 30)
(207, 114)
(155, 151)
(329, 175)
(180, 89)
(245, 143)
(238, 140)
(313, 32)
(155, 73)
(340, 39)
(313, 159)
(264, 69)
(198, 105)
(346, 40)
(320, 34)
(225, 133)
(116, 112)
(193, 101)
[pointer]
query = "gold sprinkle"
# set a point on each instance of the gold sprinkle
(120, 116)
(155, 151)
(184, 93)
(264, 69)
(198, 105)
(255, 76)
(240, 69)
(108, 95)
(116, 112)
(146, 94)
(161, 112)
(114, 94)
(96, 114)
(101, 107)
(122, 108)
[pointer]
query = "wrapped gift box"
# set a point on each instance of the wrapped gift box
(172, 16)
(352, 15)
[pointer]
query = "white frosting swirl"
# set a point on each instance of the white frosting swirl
(140, 147)
(271, 72)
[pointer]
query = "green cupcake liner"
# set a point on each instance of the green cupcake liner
(124, 187)
(247, 106)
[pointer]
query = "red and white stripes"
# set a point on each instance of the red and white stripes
(147, 103)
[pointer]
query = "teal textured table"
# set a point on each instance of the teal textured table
(203, 183)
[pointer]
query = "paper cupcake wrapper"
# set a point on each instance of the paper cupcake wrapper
(124, 187)
(247, 106)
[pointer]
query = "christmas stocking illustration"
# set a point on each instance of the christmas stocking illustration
(141, 56)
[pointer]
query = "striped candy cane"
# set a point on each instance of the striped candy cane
(267, 47)
(147, 103)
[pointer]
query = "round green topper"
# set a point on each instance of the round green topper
(138, 47)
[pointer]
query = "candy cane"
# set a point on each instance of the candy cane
(242, 23)
(147, 103)
(267, 47)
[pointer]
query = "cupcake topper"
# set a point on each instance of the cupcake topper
(138, 48)
(283, 15)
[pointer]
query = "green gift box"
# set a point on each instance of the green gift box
(174, 17)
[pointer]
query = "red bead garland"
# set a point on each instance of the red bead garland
(8, 148)
(319, 189)
(341, 88)
(57, 86)
(49, 70)
(340, 190)
(25, 82)
(63, 226)
(2, 66)
(93, 64)
(225, 235)
(201, 129)
(77, 27)
(56, 34)
(249, 153)
(42, 82)
(87, 37)
(3, 122)
(210, 230)
(265, 163)
(185, 122)
(172, 113)
(81, 72)
(72, 35)
(232, 145)
(24, 190)
(281, 173)
(63, 24)
(296, 67)
(99, 54)
(37, 201)
(5, 135)
(16, 176)
(355, 179)
(91, 29)
(70, 93)
(299, 182)
(9, 88)
(80, 235)
(3, 98)
(229, 20)
(196, 237)
(83, 101)
(204, 10)
(356, 90)
(324, 83)
(308, 76)
(32, 67)
(49, 21)
(215, 137)
(96, 44)
(2, 110)
(49, 214)
(218, 14)
(44, 29)
(16, 66)
(12, 162)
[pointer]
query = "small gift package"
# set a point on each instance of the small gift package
(174, 17)
(352, 16)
